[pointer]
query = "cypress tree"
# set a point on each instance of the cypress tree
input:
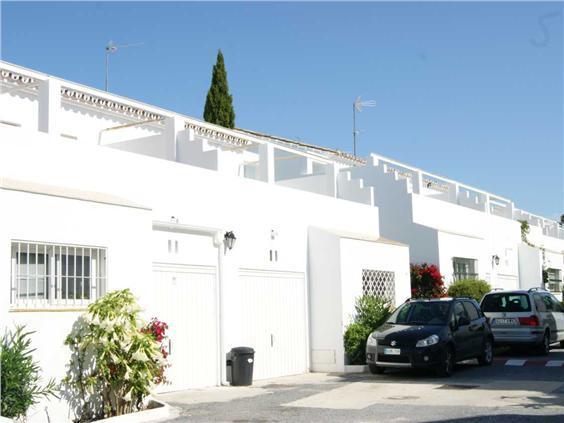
(219, 103)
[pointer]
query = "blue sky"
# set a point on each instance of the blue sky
(471, 91)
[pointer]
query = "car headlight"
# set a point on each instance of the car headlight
(431, 340)
(371, 341)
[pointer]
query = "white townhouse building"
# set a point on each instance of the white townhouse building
(99, 192)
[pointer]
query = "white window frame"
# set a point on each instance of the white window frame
(88, 269)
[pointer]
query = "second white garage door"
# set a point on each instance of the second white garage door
(274, 321)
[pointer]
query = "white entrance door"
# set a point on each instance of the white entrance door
(274, 321)
(185, 298)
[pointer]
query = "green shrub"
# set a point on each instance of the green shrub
(473, 288)
(355, 342)
(116, 358)
(371, 312)
(19, 381)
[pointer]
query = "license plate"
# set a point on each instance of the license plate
(505, 321)
(392, 351)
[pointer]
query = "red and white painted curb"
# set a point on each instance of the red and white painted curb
(515, 362)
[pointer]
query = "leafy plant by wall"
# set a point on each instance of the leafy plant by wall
(370, 313)
(473, 288)
(525, 229)
(116, 358)
(426, 281)
(20, 386)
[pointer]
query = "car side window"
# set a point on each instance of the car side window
(473, 314)
(459, 312)
(541, 308)
(548, 303)
(555, 303)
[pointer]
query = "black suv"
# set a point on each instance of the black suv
(433, 333)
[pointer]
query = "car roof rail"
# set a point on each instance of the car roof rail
(537, 288)
(496, 289)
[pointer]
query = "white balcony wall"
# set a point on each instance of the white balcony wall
(392, 196)
(155, 146)
(354, 189)
(318, 184)
(19, 108)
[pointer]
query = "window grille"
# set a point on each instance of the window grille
(379, 283)
(46, 274)
(464, 268)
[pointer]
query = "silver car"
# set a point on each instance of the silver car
(529, 318)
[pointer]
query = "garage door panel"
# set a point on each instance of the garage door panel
(186, 301)
(274, 321)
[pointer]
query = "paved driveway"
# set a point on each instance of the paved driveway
(516, 388)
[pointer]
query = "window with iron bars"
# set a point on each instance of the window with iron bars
(464, 268)
(379, 283)
(554, 280)
(45, 275)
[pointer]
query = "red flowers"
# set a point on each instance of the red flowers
(156, 328)
(426, 281)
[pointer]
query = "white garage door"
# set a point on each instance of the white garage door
(274, 321)
(185, 298)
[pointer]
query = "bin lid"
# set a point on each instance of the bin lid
(242, 350)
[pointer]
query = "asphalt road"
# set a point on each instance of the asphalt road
(524, 389)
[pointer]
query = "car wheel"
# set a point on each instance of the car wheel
(446, 367)
(375, 370)
(544, 347)
(486, 358)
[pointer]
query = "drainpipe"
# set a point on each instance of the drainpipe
(220, 310)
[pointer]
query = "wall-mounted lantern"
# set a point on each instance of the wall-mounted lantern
(495, 260)
(229, 239)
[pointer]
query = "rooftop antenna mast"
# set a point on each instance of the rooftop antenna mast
(111, 48)
(358, 104)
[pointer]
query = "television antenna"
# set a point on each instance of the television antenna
(112, 48)
(358, 104)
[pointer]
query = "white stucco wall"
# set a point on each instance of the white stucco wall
(530, 267)
(124, 231)
(335, 270)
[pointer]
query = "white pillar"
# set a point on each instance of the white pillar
(331, 173)
(417, 182)
(309, 166)
(173, 125)
(266, 163)
(49, 106)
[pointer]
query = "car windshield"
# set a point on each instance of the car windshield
(421, 313)
(506, 302)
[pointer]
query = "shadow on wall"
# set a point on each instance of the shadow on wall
(85, 404)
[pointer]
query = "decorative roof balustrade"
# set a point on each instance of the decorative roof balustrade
(107, 104)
